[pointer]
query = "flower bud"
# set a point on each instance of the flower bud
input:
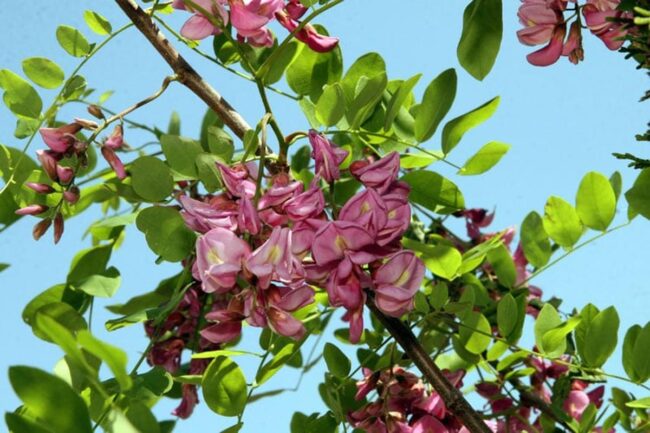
(116, 139)
(60, 139)
(114, 161)
(33, 209)
(94, 110)
(65, 174)
(71, 195)
(58, 227)
(41, 228)
(48, 161)
(86, 124)
(40, 188)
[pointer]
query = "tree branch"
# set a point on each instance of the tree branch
(186, 74)
(453, 398)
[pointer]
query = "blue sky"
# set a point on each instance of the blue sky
(561, 121)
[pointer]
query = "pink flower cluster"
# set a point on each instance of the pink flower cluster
(544, 23)
(250, 18)
(265, 250)
(517, 415)
(178, 332)
(404, 404)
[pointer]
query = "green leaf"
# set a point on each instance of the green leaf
(638, 197)
(206, 165)
(20, 97)
(640, 354)
(561, 222)
(507, 315)
(103, 285)
(534, 240)
(281, 62)
(642, 403)
(433, 191)
(547, 320)
(337, 363)
(420, 159)
(439, 295)
(600, 338)
(628, 352)
(220, 144)
(181, 153)
(174, 126)
(166, 233)
(310, 71)
(4, 266)
(443, 261)
(59, 293)
(89, 262)
(481, 38)
(43, 72)
(97, 23)
(368, 93)
(368, 65)
(151, 178)
(63, 314)
(554, 341)
(50, 399)
(114, 357)
(503, 265)
(22, 424)
(475, 332)
(398, 99)
(436, 102)
(224, 387)
(616, 180)
(280, 359)
(330, 107)
(72, 41)
(487, 157)
(596, 201)
(454, 130)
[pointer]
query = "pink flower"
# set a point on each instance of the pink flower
(48, 160)
(600, 17)
(397, 281)
(116, 139)
(344, 286)
(250, 17)
(275, 261)
(189, 401)
(340, 239)
(303, 233)
(219, 257)
(228, 326)
(199, 26)
(327, 156)
(399, 220)
(237, 180)
(60, 139)
(309, 204)
(248, 220)
(429, 424)
(167, 354)
(280, 302)
(544, 24)
(366, 209)
(203, 217)
(576, 403)
(308, 33)
(573, 46)
(380, 174)
(33, 209)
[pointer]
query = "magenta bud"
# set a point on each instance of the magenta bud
(94, 110)
(48, 161)
(116, 139)
(41, 228)
(65, 174)
(72, 195)
(58, 227)
(33, 209)
(40, 188)
(114, 161)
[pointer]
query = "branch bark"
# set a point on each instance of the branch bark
(453, 398)
(184, 71)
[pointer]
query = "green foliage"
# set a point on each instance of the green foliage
(310, 71)
(181, 154)
(534, 240)
(443, 261)
(72, 41)
(596, 201)
(561, 222)
(481, 38)
(638, 196)
(224, 387)
(151, 178)
(97, 23)
(20, 97)
(597, 335)
(337, 363)
(433, 191)
(49, 402)
(454, 130)
(435, 105)
(330, 107)
(43, 72)
(487, 157)
(166, 233)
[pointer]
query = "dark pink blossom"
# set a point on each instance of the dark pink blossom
(397, 281)
(219, 257)
(60, 139)
(601, 17)
(328, 157)
(380, 174)
(274, 261)
(203, 217)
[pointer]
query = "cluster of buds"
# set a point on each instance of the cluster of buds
(516, 416)
(403, 404)
(65, 156)
(544, 23)
(180, 331)
(250, 18)
(264, 250)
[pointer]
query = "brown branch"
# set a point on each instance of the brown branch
(453, 398)
(185, 73)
